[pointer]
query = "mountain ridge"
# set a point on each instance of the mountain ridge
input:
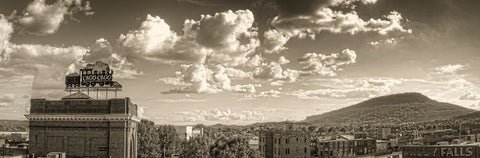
(394, 108)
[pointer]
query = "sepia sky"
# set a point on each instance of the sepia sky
(242, 61)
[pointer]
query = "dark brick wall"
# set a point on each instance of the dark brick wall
(83, 138)
(285, 144)
(111, 106)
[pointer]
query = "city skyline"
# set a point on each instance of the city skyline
(241, 62)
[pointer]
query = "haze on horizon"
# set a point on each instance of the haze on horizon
(242, 61)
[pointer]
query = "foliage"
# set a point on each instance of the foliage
(148, 140)
(168, 140)
(196, 147)
(392, 109)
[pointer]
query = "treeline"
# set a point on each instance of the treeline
(13, 125)
(163, 141)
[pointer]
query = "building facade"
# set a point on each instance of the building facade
(344, 146)
(83, 127)
(284, 144)
(433, 151)
(188, 132)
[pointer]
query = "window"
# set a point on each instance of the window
(297, 139)
(305, 150)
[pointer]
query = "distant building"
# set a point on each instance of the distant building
(188, 132)
(383, 133)
(345, 146)
(284, 144)
(14, 135)
(433, 151)
(432, 137)
(253, 143)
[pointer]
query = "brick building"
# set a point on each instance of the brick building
(83, 127)
(284, 144)
(344, 146)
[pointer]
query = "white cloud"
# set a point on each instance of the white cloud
(247, 88)
(340, 93)
(226, 38)
(221, 115)
(6, 29)
(349, 88)
(47, 64)
(205, 79)
(350, 2)
(153, 39)
(326, 65)
(202, 79)
(269, 93)
(40, 18)
(255, 61)
(386, 42)
(282, 60)
(470, 96)
(174, 81)
(274, 41)
(103, 51)
(274, 72)
(326, 19)
(449, 69)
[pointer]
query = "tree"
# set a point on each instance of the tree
(169, 141)
(196, 147)
(148, 140)
(234, 146)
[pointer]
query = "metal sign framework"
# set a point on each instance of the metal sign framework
(94, 77)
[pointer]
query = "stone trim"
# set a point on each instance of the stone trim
(60, 117)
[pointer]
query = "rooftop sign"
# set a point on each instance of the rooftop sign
(452, 151)
(97, 75)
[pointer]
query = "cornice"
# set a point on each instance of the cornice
(81, 117)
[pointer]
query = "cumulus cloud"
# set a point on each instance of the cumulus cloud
(227, 38)
(248, 88)
(203, 79)
(449, 69)
(329, 20)
(254, 61)
(6, 29)
(351, 88)
(340, 93)
(47, 64)
(275, 73)
(274, 41)
(386, 42)
(326, 65)
(103, 51)
(470, 96)
(306, 18)
(154, 39)
(40, 18)
(221, 115)
(282, 60)
(269, 93)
